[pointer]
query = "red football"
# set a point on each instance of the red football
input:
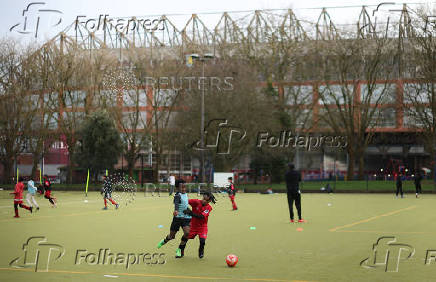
(231, 260)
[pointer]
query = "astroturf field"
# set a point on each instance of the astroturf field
(339, 234)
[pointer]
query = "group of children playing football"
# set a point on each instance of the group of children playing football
(192, 221)
(45, 189)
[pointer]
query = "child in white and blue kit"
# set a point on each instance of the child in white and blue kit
(31, 191)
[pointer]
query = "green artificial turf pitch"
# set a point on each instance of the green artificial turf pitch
(339, 234)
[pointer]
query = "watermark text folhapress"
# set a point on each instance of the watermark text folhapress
(104, 22)
(285, 139)
(107, 257)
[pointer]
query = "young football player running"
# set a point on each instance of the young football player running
(47, 193)
(18, 197)
(200, 214)
(180, 219)
(31, 191)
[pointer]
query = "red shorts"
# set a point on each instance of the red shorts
(201, 232)
(47, 193)
(18, 201)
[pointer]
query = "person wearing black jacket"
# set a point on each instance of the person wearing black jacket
(417, 181)
(399, 185)
(293, 179)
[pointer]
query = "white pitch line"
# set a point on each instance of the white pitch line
(61, 203)
(110, 276)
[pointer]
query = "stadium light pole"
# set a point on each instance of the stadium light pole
(41, 173)
(202, 59)
(142, 170)
(434, 152)
(297, 155)
(334, 169)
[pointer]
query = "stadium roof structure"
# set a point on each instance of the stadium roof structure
(246, 27)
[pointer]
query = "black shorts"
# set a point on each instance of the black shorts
(179, 222)
(107, 195)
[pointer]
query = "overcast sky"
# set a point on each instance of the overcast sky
(11, 12)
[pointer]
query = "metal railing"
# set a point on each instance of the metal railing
(163, 189)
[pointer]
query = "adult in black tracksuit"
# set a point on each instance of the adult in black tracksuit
(399, 185)
(293, 179)
(417, 180)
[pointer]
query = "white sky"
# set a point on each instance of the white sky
(11, 11)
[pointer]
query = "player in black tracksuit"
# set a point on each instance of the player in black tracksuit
(293, 178)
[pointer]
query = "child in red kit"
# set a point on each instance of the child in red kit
(200, 214)
(18, 198)
(47, 189)
(232, 191)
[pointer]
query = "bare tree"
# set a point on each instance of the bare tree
(420, 95)
(348, 66)
(166, 81)
(128, 101)
(235, 112)
(65, 96)
(282, 60)
(39, 136)
(17, 116)
(142, 103)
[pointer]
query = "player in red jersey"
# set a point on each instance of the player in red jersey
(200, 214)
(47, 189)
(232, 191)
(18, 198)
